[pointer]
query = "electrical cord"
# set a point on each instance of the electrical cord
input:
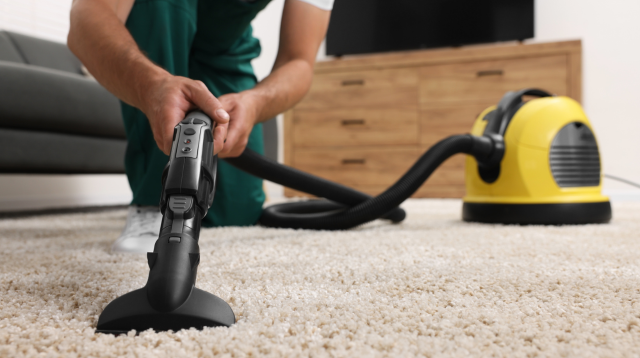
(622, 180)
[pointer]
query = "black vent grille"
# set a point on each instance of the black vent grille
(574, 157)
(575, 166)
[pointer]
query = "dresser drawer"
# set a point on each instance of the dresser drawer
(354, 127)
(487, 81)
(362, 167)
(394, 88)
(438, 123)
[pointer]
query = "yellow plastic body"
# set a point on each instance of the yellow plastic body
(525, 172)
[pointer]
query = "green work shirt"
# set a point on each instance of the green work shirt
(210, 41)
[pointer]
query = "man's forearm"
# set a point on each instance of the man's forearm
(282, 89)
(105, 47)
(301, 32)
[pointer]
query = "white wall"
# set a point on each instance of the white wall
(610, 33)
(47, 19)
(609, 30)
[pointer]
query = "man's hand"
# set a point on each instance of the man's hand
(243, 111)
(303, 28)
(166, 101)
(100, 40)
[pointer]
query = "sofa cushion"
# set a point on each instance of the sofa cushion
(8, 51)
(45, 53)
(38, 152)
(40, 99)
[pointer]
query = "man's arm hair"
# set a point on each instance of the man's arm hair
(103, 44)
(98, 37)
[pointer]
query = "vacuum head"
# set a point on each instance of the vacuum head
(133, 312)
(551, 171)
(169, 300)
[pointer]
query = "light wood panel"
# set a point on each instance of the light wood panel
(354, 127)
(447, 181)
(438, 123)
(357, 167)
(472, 53)
(487, 81)
(396, 88)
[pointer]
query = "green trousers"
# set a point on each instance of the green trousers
(207, 40)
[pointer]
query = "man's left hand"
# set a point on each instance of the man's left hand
(243, 112)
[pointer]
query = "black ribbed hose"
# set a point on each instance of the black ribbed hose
(349, 208)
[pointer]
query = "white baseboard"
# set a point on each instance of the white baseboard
(62, 202)
(40, 192)
(622, 194)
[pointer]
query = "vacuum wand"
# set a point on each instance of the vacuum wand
(187, 193)
(170, 301)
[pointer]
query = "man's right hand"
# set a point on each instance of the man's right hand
(167, 100)
(100, 40)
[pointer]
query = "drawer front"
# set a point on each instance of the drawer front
(374, 171)
(357, 168)
(438, 123)
(486, 82)
(354, 127)
(395, 88)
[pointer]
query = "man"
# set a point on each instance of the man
(163, 58)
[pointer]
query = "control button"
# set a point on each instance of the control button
(186, 149)
(187, 141)
(198, 121)
(189, 131)
(174, 240)
(186, 121)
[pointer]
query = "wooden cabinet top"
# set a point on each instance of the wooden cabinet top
(447, 55)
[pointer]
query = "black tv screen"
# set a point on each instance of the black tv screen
(367, 26)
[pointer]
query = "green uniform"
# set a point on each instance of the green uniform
(207, 40)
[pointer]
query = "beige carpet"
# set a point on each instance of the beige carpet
(433, 286)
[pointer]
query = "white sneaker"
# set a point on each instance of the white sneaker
(141, 232)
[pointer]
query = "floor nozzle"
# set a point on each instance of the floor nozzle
(133, 312)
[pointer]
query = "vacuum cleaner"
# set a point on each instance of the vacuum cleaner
(169, 300)
(533, 162)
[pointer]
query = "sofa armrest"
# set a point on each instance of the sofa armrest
(37, 98)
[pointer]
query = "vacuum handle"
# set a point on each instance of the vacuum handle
(192, 166)
(187, 194)
(352, 122)
(508, 105)
(489, 73)
(352, 83)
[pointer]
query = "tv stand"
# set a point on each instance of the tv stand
(367, 118)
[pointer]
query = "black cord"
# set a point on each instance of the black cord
(622, 180)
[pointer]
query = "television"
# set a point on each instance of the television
(370, 26)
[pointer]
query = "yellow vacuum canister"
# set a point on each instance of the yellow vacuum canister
(551, 172)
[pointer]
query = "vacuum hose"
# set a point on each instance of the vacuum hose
(347, 208)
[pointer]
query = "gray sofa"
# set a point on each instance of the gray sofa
(53, 119)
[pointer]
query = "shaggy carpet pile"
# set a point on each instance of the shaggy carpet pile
(432, 286)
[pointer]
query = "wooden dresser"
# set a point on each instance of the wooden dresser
(367, 119)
